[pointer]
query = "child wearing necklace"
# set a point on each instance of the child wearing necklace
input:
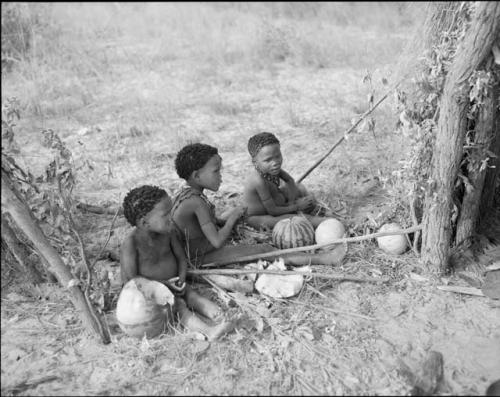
(270, 193)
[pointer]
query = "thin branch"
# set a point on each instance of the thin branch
(105, 334)
(461, 290)
(278, 253)
(107, 238)
(413, 202)
(338, 277)
(99, 210)
(352, 128)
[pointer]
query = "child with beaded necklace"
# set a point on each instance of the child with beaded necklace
(270, 192)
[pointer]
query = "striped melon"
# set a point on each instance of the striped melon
(293, 232)
(143, 307)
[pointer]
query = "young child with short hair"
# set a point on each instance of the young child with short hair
(270, 193)
(153, 251)
(193, 214)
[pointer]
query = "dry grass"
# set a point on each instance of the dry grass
(126, 86)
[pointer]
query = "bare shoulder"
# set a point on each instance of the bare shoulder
(190, 204)
(129, 241)
(254, 180)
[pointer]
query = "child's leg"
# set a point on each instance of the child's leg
(202, 304)
(266, 221)
(331, 257)
(193, 322)
(229, 252)
(315, 220)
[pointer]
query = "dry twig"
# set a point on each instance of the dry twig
(107, 239)
(338, 277)
(361, 118)
(461, 290)
(95, 209)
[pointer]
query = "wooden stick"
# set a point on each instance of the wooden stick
(461, 290)
(110, 230)
(278, 253)
(24, 219)
(339, 277)
(494, 266)
(100, 210)
(413, 202)
(361, 118)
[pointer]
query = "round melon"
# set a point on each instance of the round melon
(293, 232)
(142, 307)
(329, 230)
(395, 244)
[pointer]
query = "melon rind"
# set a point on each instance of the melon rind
(293, 232)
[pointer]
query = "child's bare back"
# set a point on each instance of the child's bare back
(193, 214)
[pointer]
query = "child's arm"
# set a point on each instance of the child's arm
(292, 186)
(270, 205)
(128, 260)
(180, 255)
(217, 237)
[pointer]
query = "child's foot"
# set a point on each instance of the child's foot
(220, 329)
(333, 256)
(217, 316)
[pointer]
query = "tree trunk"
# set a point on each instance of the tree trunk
(19, 253)
(493, 173)
(451, 128)
(484, 134)
(21, 214)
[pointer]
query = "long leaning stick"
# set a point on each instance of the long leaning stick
(361, 118)
(278, 253)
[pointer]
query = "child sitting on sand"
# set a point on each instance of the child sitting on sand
(194, 215)
(270, 192)
(153, 251)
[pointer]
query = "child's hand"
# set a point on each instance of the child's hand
(237, 213)
(176, 285)
(304, 203)
(293, 191)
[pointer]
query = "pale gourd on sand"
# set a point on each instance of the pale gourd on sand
(143, 307)
(328, 231)
(394, 245)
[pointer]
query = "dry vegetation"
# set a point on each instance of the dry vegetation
(126, 86)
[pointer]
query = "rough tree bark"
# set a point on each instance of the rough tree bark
(493, 173)
(448, 147)
(484, 135)
(21, 214)
(18, 251)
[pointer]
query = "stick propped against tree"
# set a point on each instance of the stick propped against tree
(21, 214)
